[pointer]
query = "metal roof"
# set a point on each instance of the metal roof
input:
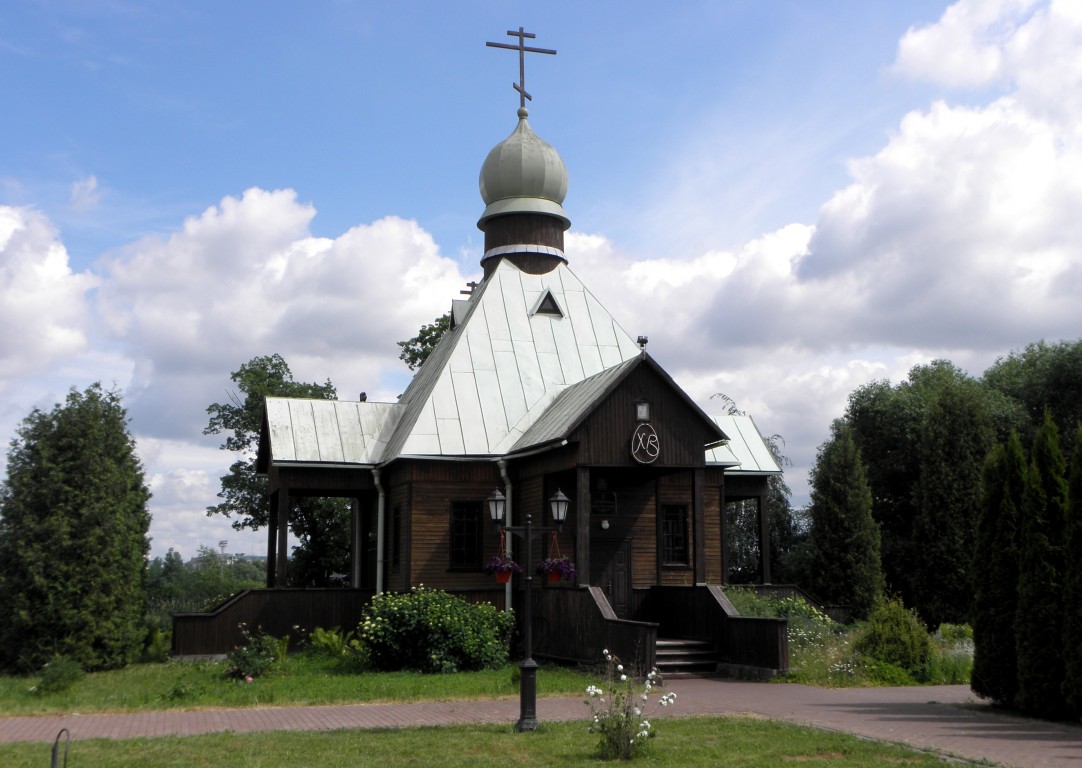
(497, 372)
(746, 453)
(328, 431)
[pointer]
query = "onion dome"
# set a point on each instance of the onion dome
(523, 175)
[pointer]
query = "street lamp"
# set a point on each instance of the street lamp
(558, 503)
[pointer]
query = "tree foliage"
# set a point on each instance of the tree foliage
(321, 525)
(995, 603)
(1072, 582)
(956, 436)
(844, 539)
(73, 537)
(416, 350)
(1039, 617)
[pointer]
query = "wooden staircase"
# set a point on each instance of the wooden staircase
(685, 658)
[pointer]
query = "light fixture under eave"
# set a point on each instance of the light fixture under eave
(496, 502)
(558, 504)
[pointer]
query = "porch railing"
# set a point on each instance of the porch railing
(578, 624)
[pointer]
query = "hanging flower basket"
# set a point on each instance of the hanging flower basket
(503, 566)
(557, 568)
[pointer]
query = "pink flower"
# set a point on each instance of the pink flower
(248, 679)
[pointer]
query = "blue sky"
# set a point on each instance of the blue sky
(790, 198)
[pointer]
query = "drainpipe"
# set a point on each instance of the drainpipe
(380, 514)
(502, 464)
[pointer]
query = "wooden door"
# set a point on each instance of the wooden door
(610, 569)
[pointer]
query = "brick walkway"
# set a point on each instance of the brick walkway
(944, 719)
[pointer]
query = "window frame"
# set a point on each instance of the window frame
(674, 554)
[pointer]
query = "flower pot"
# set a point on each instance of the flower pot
(502, 577)
(554, 577)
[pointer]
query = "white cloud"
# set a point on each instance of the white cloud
(85, 194)
(43, 304)
(246, 278)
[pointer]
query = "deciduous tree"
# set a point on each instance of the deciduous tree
(321, 525)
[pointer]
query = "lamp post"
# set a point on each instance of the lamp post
(527, 720)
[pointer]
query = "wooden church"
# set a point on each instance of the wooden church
(535, 398)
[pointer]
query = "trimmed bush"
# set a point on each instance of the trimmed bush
(429, 630)
(894, 635)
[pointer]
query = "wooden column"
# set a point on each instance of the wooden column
(283, 537)
(272, 536)
(724, 539)
(582, 527)
(355, 542)
(699, 521)
(764, 536)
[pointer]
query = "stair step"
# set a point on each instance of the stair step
(676, 657)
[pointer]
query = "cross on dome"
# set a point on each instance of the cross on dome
(522, 49)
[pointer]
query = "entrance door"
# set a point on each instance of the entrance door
(610, 569)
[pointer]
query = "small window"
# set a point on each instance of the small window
(466, 528)
(548, 306)
(674, 535)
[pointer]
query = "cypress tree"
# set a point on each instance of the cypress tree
(956, 437)
(73, 537)
(1072, 591)
(844, 539)
(995, 662)
(1039, 618)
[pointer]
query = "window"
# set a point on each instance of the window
(674, 534)
(466, 526)
(396, 537)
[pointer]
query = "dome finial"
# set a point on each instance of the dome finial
(522, 49)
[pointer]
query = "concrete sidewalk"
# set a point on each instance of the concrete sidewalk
(943, 719)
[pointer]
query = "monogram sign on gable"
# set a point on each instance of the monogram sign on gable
(644, 444)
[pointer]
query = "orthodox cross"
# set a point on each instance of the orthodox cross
(522, 49)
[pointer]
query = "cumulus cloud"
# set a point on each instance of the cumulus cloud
(43, 304)
(246, 278)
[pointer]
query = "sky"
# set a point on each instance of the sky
(790, 199)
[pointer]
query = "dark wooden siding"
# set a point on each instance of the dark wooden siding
(605, 437)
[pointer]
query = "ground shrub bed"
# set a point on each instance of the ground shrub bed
(892, 648)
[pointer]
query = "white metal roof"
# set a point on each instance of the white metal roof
(328, 431)
(497, 372)
(746, 452)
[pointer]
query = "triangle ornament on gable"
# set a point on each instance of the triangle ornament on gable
(547, 305)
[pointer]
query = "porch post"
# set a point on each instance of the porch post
(283, 540)
(699, 521)
(355, 542)
(582, 527)
(724, 538)
(272, 535)
(764, 536)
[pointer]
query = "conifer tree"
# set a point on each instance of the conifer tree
(1039, 618)
(956, 437)
(73, 537)
(1072, 591)
(995, 662)
(844, 540)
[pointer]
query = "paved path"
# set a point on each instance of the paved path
(945, 719)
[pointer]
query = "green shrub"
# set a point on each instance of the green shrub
(432, 631)
(896, 636)
(330, 642)
(886, 673)
(58, 675)
(158, 644)
(256, 656)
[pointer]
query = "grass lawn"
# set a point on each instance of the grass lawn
(684, 742)
(300, 679)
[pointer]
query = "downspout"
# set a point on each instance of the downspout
(380, 514)
(502, 464)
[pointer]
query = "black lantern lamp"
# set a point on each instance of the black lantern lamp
(496, 503)
(558, 504)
